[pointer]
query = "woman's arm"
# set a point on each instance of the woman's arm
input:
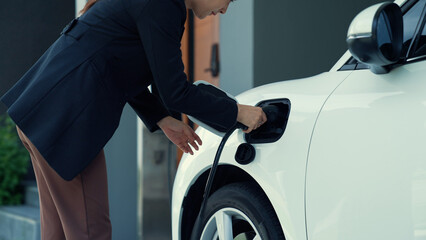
(149, 109)
(160, 27)
(152, 112)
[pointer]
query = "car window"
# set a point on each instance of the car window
(420, 42)
(411, 20)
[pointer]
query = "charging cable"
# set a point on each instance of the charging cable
(198, 223)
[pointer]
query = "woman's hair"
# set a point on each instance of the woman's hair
(88, 5)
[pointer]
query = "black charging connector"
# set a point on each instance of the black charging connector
(277, 112)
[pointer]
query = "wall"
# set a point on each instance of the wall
(237, 47)
(296, 39)
(121, 159)
(275, 40)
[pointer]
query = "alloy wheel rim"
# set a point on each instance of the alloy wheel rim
(223, 223)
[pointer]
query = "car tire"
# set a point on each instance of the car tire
(243, 207)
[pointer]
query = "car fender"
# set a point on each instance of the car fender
(279, 167)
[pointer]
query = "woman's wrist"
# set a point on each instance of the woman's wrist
(163, 122)
(239, 113)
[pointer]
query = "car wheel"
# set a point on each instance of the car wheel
(238, 211)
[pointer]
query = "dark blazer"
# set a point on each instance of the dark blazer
(70, 102)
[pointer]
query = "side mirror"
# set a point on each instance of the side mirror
(212, 89)
(375, 36)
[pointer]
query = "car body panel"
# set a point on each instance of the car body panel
(367, 167)
(282, 163)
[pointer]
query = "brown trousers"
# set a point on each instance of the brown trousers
(73, 210)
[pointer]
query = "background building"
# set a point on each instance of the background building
(259, 42)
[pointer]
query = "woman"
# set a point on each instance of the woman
(68, 105)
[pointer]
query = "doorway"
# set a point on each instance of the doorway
(200, 54)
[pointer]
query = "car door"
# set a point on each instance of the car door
(366, 171)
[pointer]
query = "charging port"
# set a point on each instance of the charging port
(277, 111)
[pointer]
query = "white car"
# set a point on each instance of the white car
(347, 162)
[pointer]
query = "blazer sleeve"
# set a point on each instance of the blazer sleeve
(160, 27)
(149, 109)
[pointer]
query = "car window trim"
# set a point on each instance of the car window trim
(408, 5)
(416, 59)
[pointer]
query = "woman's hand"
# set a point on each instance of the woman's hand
(180, 134)
(252, 117)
